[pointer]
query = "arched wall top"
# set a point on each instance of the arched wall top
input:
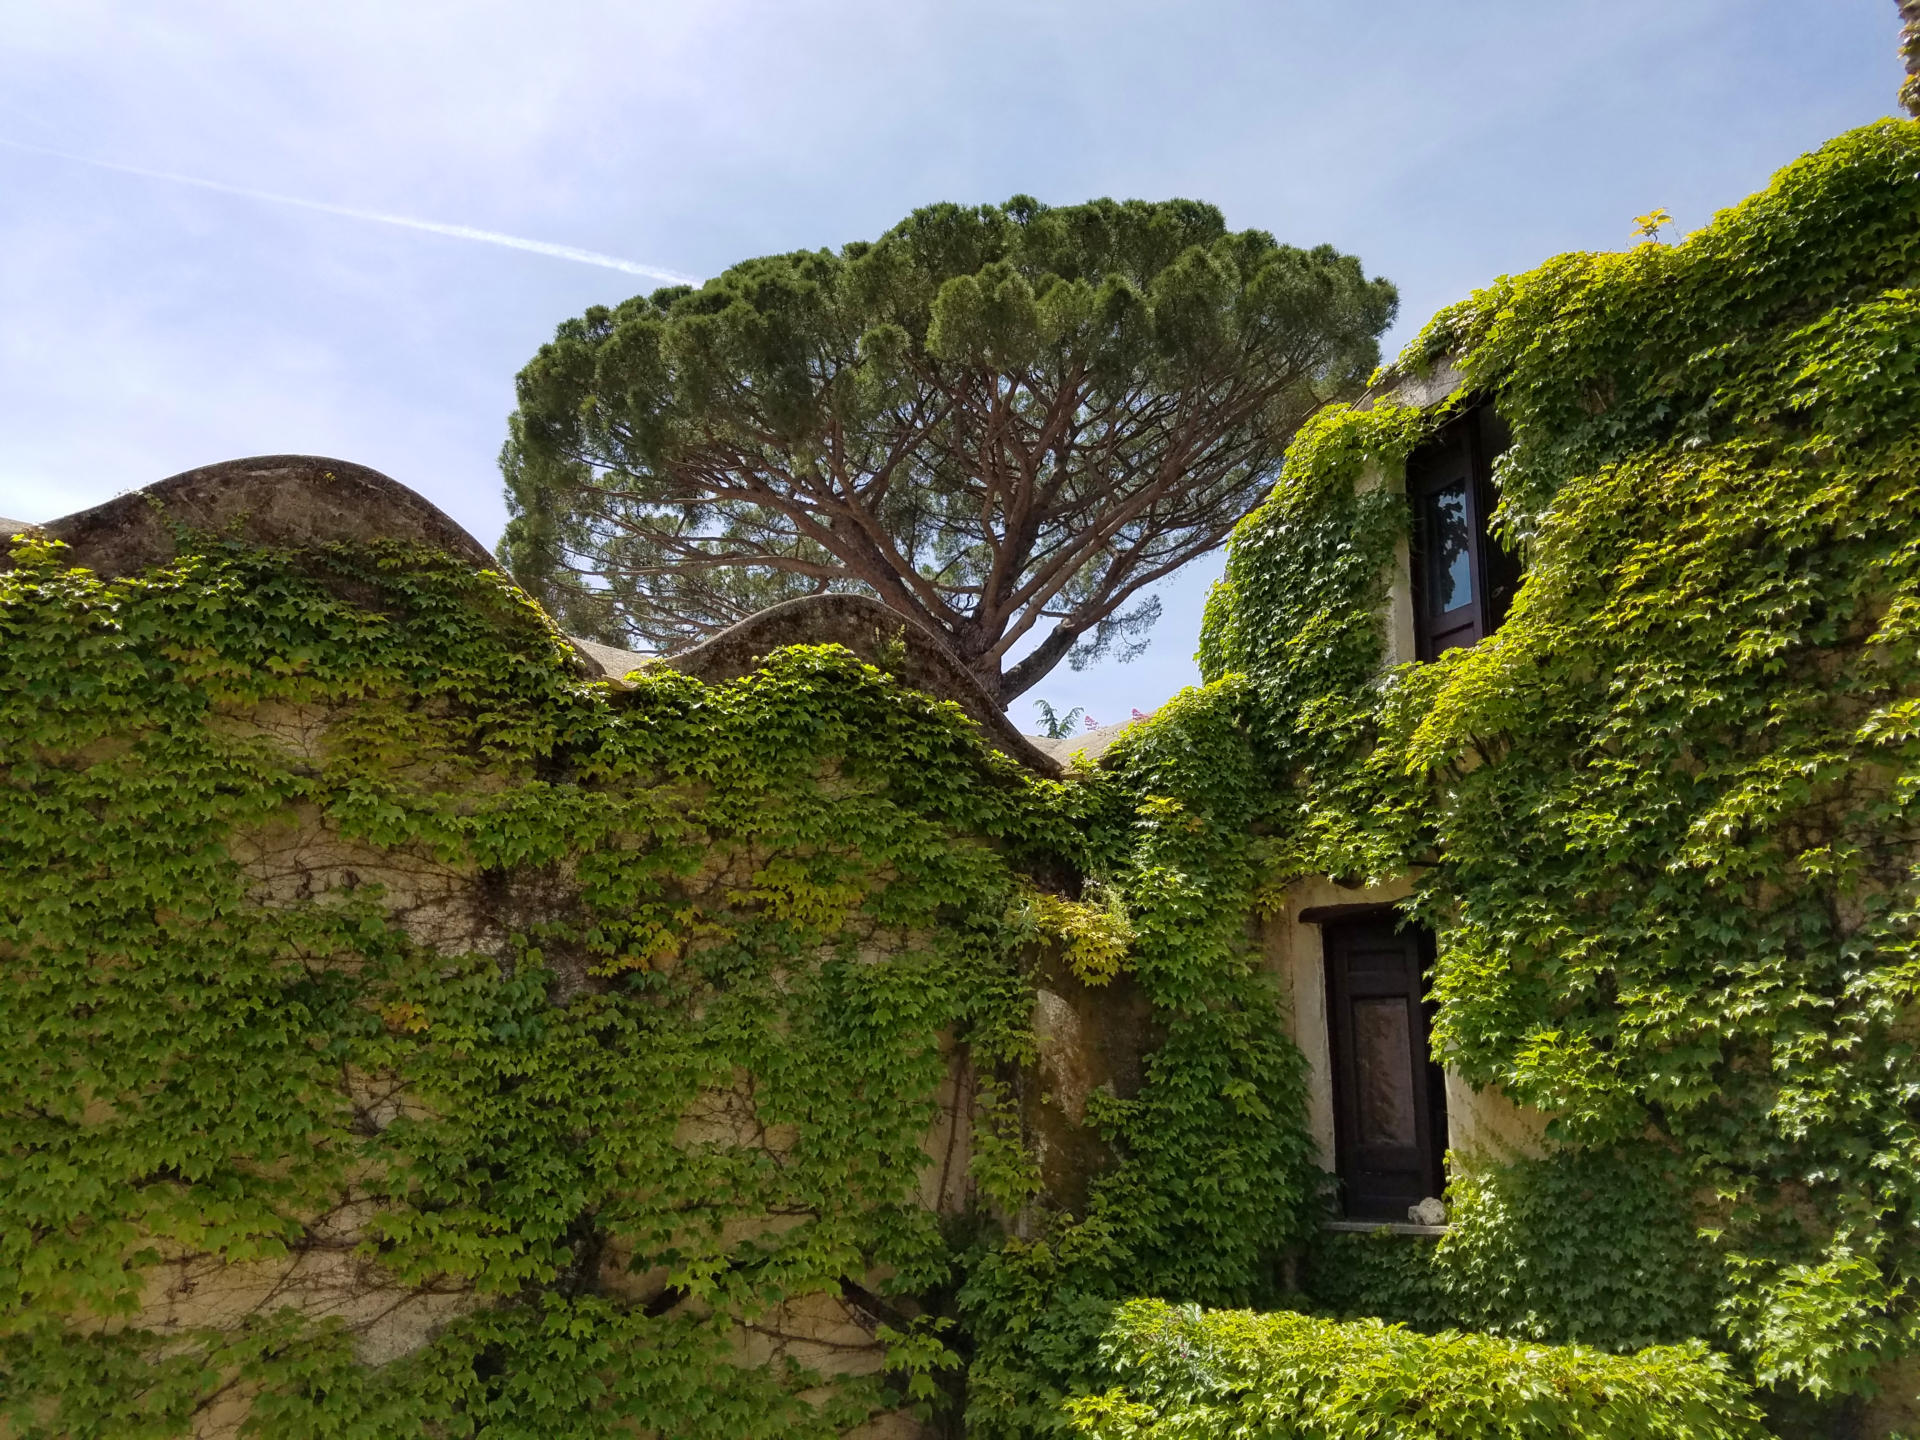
(878, 635)
(303, 500)
(266, 500)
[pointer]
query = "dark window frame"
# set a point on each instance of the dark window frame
(1378, 1181)
(1464, 449)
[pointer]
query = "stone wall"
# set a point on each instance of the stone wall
(298, 856)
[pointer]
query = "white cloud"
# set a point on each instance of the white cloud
(148, 327)
(405, 222)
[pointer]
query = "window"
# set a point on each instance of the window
(1463, 581)
(1389, 1097)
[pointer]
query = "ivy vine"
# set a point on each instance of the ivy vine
(1664, 820)
(347, 932)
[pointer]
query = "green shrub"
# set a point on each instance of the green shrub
(1186, 1372)
(1595, 1246)
(1375, 1274)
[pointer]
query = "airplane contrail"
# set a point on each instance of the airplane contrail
(406, 222)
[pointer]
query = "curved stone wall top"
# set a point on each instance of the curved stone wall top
(877, 635)
(267, 500)
(1089, 744)
(296, 500)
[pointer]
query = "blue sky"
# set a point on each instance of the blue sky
(148, 326)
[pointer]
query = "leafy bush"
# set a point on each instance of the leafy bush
(1596, 1246)
(1351, 1275)
(1182, 1371)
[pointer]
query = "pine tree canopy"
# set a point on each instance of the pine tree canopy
(1006, 422)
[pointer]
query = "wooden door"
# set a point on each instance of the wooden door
(1390, 1126)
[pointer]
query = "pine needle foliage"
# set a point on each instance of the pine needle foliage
(1009, 423)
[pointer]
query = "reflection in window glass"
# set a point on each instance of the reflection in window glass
(1448, 564)
(1384, 1054)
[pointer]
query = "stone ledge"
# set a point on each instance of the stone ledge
(1392, 1227)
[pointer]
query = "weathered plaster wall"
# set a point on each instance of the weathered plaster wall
(456, 910)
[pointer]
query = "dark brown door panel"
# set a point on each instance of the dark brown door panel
(1389, 1099)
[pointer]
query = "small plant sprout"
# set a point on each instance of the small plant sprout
(1647, 227)
(1056, 725)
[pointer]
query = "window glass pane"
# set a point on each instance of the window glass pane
(1448, 544)
(1383, 1065)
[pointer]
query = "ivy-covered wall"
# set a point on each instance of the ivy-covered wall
(403, 1034)
(1664, 821)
